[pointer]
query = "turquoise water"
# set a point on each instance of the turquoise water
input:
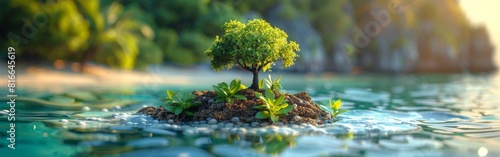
(395, 115)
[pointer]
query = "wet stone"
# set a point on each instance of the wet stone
(85, 108)
(235, 119)
(264, 124)
(148, 142)
(159, 131)
(296, 118)
(212, 121)
(254, 124)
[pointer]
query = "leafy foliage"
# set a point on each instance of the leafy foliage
(254, 47)
(228, 92)
(270, 84)
(178, 105)
(333, 108)
(272, 107)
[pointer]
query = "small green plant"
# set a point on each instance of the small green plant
(228, 92)
(178, 105)
(270, 84)
(334, 108)
(272, 107)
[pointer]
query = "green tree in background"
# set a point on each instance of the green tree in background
(254, 47)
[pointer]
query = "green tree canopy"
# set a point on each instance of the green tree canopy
(254, 47)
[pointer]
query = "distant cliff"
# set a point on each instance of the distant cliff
(383, 36)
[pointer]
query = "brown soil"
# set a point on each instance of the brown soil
(306, 109)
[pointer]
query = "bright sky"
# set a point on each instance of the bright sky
(485, 12)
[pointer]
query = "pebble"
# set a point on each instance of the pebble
(85, 108)
(264, 124)
(170, 121)
(245, 124)
(148, 142)
(105, 110)
(254, 124)
(117, 107)
(229, 125)
(188, 132)
(82, 123)
(121, 127)
(280, 123)
(159, 131)
(64, 121)
(235, 119)
(296, 118)
(213, 126)
(212, 121)
(375, 130)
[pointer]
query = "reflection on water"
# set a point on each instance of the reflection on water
(438, 115)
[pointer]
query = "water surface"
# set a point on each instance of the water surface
(407, 115)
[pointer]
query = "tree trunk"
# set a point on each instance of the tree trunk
(255, 81)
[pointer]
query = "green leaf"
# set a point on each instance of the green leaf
(274, 118)
(261, 84)
(219, 91)
(259, 95)
(241, 97)
(269, 94)
(242, 87)
(170, 94)
(196, 103)
(337, 105)
(325, 108)
(280, 99)
(259, 107)
(342, 111)
(189, 113)
(285, 110)
(169, 102)
(170, 108)
(262, 115)
(178, 110)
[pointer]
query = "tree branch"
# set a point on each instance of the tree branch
(244, 67)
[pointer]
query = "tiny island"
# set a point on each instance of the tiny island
(254, 47)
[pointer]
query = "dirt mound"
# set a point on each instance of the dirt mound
(308, 111)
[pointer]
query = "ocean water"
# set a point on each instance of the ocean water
(389, 115)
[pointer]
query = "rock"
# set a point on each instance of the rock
(105, 110)
(254, 124)
(299, 29)
(159, 131)
(212, 121)
(82, 123)
(264, 124)
(173, 151)
(85, 108)
(148, 142)
(296, 118)
(64, 121)
(235, 119)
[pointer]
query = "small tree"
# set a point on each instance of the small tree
(254, 47)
